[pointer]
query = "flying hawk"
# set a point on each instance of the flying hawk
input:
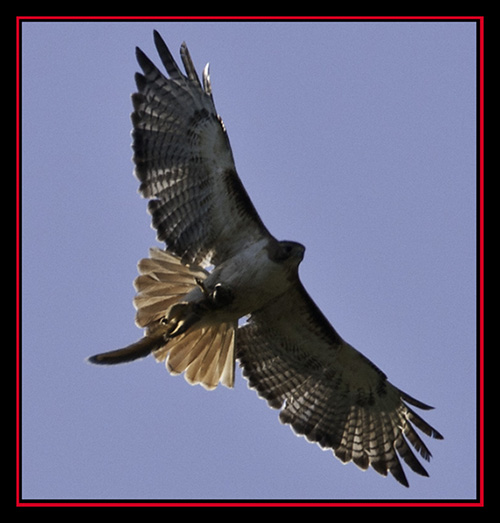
(221, 264)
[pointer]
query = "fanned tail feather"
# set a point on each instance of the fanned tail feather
(204, 353)
(162, 282)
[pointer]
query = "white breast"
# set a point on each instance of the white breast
(252, 277)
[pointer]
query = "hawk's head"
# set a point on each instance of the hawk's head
(288, 253)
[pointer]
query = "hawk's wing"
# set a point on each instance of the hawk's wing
(185, 165)
(328, 391)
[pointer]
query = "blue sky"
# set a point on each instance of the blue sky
(357, 140)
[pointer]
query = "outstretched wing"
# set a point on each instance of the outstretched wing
(185, 165)
(327, 390)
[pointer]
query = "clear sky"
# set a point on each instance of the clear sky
(355, 139)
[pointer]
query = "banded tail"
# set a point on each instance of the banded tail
(204, 353)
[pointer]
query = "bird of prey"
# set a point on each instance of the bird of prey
(221, 264)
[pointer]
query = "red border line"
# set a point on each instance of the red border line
(481, 257)
(219, 504)
(480, 502)
(257, 18)
(18, 262)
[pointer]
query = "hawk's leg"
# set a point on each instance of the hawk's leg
(184, 315)
(219, 297)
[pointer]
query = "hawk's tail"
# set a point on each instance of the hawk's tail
(204, 353)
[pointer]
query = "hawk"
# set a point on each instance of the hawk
(222, 265)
